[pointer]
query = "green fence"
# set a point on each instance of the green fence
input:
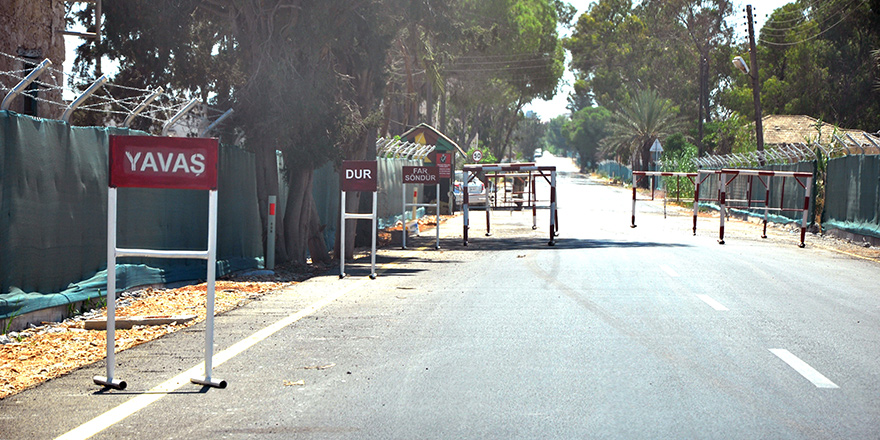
(852, 195)
(614, 170)
(53, 206)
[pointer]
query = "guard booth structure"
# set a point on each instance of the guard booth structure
(495, 172)
(161, 163)
(444, 156)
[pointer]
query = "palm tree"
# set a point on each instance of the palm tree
(645, 118)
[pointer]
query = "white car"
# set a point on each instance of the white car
(476, 190)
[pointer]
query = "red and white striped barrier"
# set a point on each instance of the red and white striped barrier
(726, 176)
(637, 176)
(500, 170)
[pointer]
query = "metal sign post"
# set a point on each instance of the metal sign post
(164, 163)
(423, 175)
(358, 175)
(270, 234)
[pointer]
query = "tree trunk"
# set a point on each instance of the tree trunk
(33, 31)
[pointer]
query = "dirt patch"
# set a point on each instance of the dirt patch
(41, 353)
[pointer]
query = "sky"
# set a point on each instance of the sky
(547, 110)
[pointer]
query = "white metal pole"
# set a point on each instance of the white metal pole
(128, 119)
(209, 300)
(438, 214)
(83, 96)
(270, 234)
(403, 217)
(722, 181)
(16, 89)
(342, 236)
(373, 234)
(109, 381)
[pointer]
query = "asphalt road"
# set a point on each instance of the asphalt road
(612, 333)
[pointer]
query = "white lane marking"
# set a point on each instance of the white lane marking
(712, 303)
(805, 370)
(669, 270)
(140, 402)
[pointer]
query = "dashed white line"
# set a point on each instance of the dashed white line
(712, 303)
(803, 369)
(669, 270)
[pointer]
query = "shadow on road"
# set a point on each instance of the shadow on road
(506, 244)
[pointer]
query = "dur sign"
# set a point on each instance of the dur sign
(359, 175)
(163, 162)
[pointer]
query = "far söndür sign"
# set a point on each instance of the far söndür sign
(163, 162)
(426, 175)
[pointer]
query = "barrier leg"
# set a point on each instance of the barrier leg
(766, 208)
(696, 202)
(552, 208)
(807, 191)
(533, 196)
(633, 225)
(403, 218)
(466, 215)
(488, 221)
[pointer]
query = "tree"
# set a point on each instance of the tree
(635, 127)
(817, 60)
(509, 55)
(313, 102)
(555, 138)
(527, 137)
(585, 131)
(31, 34)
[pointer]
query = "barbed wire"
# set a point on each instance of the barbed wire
(102, 100)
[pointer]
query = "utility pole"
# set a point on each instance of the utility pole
(756, 84)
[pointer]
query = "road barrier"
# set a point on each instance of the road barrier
(727, 176)
(638, 176)
(494, 171)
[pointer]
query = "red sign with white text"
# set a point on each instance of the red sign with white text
(426, 175)
(163, 162)
(359, 175)
(444, 161)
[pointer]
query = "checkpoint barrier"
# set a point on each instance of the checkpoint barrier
(638, 176)
(495, 171)
(726, 176)
(426, 176)
(162, 163)
(358, 175)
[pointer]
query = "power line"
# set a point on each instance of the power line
(771, 43)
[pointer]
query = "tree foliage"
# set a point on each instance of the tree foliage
(585, 131)
(816, 59)
(634, 128)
